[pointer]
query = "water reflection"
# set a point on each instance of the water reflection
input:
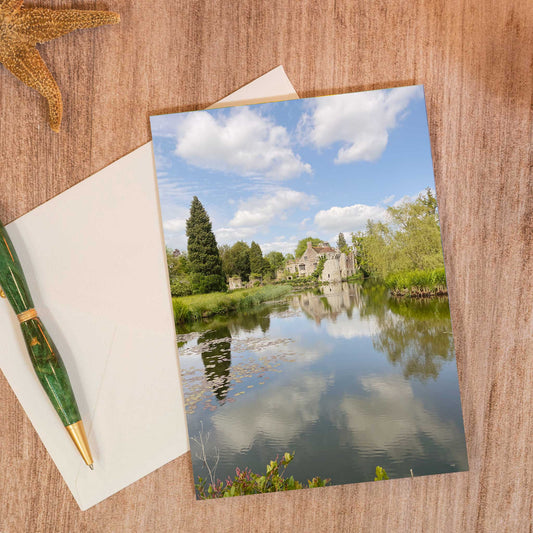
(287, 408)
(343, 368)
(328, 301)
(216, 356)
(388, 418)
(257, 318)
(414, 334)
(418, 338)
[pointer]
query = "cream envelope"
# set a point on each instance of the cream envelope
(95, 261)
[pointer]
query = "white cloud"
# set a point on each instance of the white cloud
(260, 210)
(285, 246)
(243, 142)
(360, 122)
(390, 418)
(170, 191)
(232, 235)
(410, 198)
(174, 225)
(350, 218)
(286, 410)
(348, 328)
(163, 125)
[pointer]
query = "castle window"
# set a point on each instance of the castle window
(305, 258)
(302, 267)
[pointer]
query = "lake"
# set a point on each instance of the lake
(344, 375)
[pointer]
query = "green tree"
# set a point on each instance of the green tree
(179, 273)
(203, 255)
(267, 268)
(377, 249)
(276, 261)
(236, 262)
(223, 251)
(173, 262)
(256, 258)
(410, 241)
(341, 243)
(302, 245)
(418, 236)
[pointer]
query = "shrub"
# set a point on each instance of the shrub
(181, 287)
(202, 284)
(247, 482)
(380, 474)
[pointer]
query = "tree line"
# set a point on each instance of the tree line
(409, 241)
(205, 267)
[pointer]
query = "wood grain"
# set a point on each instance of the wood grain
(476, 62)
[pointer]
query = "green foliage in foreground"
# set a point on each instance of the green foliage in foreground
(196, 307)
(246, 482)
(274, 480)
(380, 474)
(417, 282)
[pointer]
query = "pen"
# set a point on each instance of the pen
(44, 356)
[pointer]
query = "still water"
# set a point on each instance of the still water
(345, 376)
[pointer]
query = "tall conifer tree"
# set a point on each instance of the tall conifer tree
(203, 255)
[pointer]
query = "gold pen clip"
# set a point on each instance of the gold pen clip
(2, 293)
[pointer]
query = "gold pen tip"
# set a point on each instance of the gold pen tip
(91, 466)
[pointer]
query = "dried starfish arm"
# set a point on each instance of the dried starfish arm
(41, 24)
(22, 29)
(26, 64)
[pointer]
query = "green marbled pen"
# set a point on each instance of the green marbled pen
(43, 354)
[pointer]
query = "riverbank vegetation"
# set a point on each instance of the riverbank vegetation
(192, 308)
(273, 480)
(405, 252)
(247, 482)
(417, 283)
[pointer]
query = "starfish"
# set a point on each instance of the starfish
(20, 31)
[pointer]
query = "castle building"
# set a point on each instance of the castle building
(338, 265)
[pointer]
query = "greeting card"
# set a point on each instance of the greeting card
(309, 292)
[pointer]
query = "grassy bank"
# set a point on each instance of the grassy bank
(417, 283)
(192, 308)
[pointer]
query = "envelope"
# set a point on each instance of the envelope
(95, 261)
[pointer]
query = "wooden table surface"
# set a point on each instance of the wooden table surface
(475, 59)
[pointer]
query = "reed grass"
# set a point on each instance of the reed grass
(193, 308)
(417, 283)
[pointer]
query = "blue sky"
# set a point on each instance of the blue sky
(276, 173)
